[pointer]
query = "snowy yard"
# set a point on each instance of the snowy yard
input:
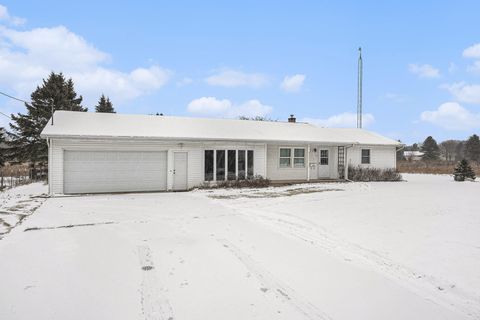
(407, 250)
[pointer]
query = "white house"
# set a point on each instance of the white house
(101, 152)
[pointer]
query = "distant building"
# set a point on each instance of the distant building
(413, 155)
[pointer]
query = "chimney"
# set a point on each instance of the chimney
(292, 118)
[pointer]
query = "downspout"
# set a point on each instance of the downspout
(49, 164)
(308, 162)
(396, 151)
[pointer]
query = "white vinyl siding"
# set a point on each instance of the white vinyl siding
(195, 156)
(276, 172)
(381, 157)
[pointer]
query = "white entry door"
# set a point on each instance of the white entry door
(180, 161)
(324, 162)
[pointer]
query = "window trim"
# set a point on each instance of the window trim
(292, 158)
(369, 157)
(280, 158)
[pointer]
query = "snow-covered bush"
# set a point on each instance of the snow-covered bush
(254, 182)
(373, 174)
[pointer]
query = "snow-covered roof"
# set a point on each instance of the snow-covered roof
(106, 125)
(413, 153)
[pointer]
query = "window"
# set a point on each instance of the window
(232, 163)
(250, 164)
(228, 164)
(324, 157)
(365, 156)
(208, 165)
(220, 165)
(299, 158)
(241, 164)
(285, 157)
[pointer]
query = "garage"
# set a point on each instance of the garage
(114, 171)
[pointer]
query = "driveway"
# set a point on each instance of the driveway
(214, 255)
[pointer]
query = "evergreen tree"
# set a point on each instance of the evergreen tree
(104, 105)
(3, 149)
(472, 148)
(463, 171)
(56, 93)
(430, 149)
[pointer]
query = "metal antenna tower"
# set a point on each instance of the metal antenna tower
(359, 94)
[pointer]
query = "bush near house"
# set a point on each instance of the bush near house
(255, 182)
(373, 174)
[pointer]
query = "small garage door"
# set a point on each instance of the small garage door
(114, 171)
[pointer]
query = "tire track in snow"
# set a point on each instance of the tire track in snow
(154, 305)
(428, 287)
(271, 284)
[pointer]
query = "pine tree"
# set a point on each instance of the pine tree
(3, 149)
(56, 93)
(472, 148)
(463, 171)
(430, 149)
(104, 105)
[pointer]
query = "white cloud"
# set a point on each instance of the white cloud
(209, 105)
(233, 78)
(293, 83)
(472, 51)
(464, 92)
(225, 108)
(26, 57)
(452, 116)
(346, 119)
(424, 70)
(6, 17)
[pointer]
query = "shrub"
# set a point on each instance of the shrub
(463, 171)
(373, 174)
(254, 182)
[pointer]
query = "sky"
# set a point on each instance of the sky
(224, 59)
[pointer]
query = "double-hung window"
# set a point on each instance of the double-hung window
(292, 157)
(285, 157)
(299, 158)
(365, 156)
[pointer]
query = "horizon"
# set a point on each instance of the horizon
(217, 60)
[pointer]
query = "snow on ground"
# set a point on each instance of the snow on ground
(407, 250)
(18, 203)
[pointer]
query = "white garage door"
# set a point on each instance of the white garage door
(114, 171)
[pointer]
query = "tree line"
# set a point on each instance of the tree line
(22, 143)
(449, 150)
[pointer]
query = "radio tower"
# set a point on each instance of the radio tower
(359, 94)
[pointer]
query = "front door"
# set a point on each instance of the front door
(324, 160)
(180, 170)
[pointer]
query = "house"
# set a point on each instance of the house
(413, 155)
(102, 152)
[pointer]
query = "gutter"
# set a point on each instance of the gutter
(146, 138)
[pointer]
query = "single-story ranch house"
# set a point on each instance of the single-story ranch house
(102, 152)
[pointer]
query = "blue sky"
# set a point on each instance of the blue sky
(274, 58)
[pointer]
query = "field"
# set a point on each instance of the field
(396, 250)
